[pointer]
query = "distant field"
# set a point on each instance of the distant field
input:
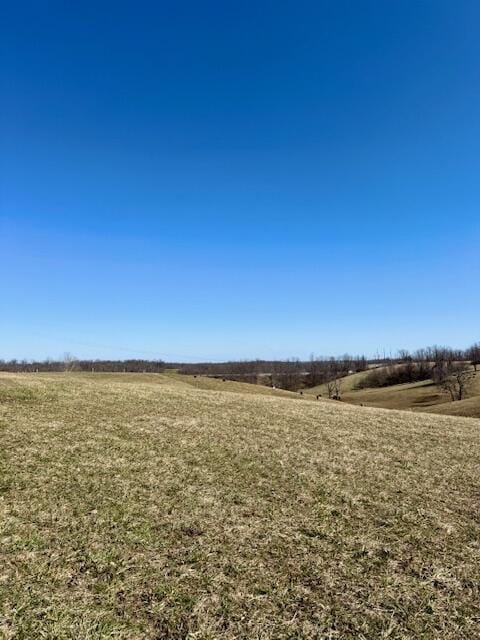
(417, 396)
(167, 507)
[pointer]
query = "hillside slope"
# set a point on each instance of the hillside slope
(148, 507)
(416, 396)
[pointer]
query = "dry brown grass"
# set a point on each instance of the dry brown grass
(149, 507)
(417, 396)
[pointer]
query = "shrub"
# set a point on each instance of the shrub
(396, 374)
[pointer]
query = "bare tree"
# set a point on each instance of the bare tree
(331, 388)
(334, 387)
(70, 362)
(454, 378)
(338, 388)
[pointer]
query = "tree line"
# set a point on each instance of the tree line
(450, 370)
(392, 374)
(292, 374)
(442, 364)
(71, 363)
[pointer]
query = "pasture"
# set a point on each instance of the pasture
(160, 506)
(415, 396)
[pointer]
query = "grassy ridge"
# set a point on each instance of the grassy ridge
(150, 507)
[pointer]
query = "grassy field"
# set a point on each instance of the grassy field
(417, 396)
(161, 507)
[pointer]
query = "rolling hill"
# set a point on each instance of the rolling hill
(164, 506)
(416, 396)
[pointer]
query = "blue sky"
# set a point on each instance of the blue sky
(229, 180)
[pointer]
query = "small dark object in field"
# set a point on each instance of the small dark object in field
(319, 395)
(301, 393)
(223, 379)
(194, 376)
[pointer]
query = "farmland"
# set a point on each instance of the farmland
(415, 396)
(166, 506)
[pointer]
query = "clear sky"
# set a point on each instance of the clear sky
(209, 180)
